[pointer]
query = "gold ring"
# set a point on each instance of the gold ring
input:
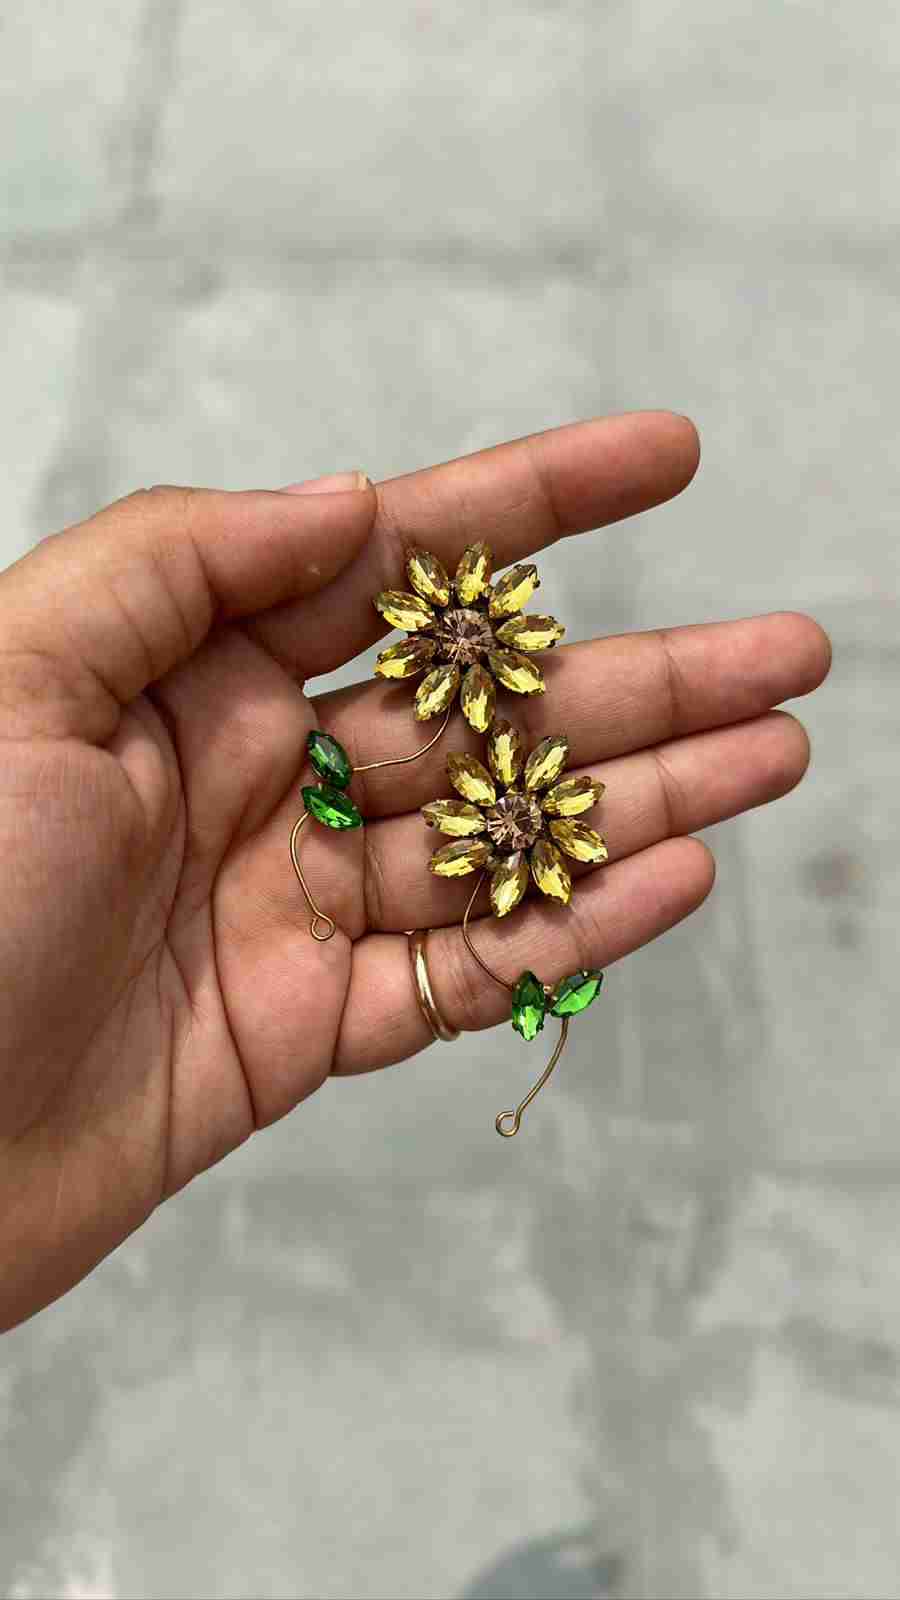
(418, 939)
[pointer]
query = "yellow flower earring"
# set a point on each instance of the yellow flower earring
(516, 819)
(469, 634)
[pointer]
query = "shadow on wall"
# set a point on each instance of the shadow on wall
(561, 1567)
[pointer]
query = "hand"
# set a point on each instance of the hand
(160, 996)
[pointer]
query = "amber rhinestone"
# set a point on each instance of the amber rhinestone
(504, 752)
(514, 590)
(530, 633)
(546, 762)
(516, 672)
(459, 858)
(470, 779)
(579, 841)
(436, 691)
(405, 659)
(407, 611)
(428, 577)
(572, 796)
(474, 572)
(550, 872)
(508, 883)
(478, 698)
(455, 817)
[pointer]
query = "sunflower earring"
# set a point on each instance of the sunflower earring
(470, 634)
(515, 819)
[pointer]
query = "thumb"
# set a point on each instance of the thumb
(93, 615)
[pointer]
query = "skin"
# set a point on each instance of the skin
(160, 996)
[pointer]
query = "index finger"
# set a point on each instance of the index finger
(518, 497)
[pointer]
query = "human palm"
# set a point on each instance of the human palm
(159, 992)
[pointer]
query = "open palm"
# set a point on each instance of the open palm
(161, 997)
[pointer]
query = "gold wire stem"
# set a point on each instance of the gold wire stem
(402, 761)
(318, 915)
(512, 1117)
(468, 941)
(515, 1117)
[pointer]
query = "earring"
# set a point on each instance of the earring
(516, 818)
(452, 629)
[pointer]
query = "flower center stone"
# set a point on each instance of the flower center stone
(463, 635)
(515, 821)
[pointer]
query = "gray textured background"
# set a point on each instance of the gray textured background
(652, 1350)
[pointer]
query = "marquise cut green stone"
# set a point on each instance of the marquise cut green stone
(576, 994)
(331, 807)
(529, 1006)
(330, 759)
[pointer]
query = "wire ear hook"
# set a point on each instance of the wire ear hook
(318, 915)
(329, 804)
(402, 761)
(513, 1117)
(515, 820)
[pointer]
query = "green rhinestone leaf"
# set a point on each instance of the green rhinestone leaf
(576, 994)
(529, 1006)
(330, 759)
(331, 807)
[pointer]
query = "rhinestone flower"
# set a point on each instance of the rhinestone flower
(517, 815)
(470, 634)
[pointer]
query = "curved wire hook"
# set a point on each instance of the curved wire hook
(467, 939)
(322, 927)
(515, 1117)
(512, 1117)
(318, 915)
(401, 761)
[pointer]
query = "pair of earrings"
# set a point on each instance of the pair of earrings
(515, 817)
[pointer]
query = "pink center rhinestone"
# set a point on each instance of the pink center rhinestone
(463, 635)
(515, 821)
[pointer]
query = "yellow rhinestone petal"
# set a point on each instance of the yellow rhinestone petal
(456, 817)
(516, 672)
(550, 872)
(478, 698)
(428, 577)
(406, 611)
(462, 856)
(508, 883)
(530, 633)
(474, 572)
(470, 779)
(435, 692)
(546, 762)
(579, 841)
(572, 796)
(405, 659)
(514, 590)
(504, 752)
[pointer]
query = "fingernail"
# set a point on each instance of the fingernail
(335, 483)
